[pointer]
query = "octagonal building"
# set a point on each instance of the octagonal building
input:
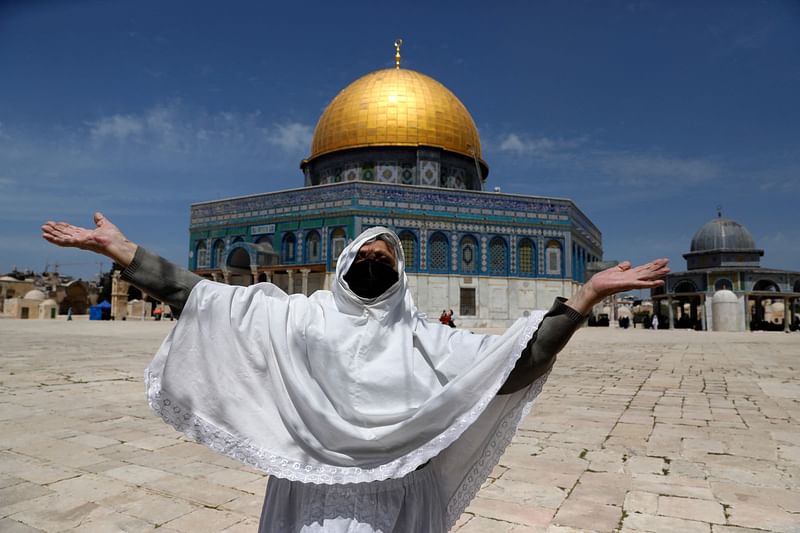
(396, 148)
(723, 260)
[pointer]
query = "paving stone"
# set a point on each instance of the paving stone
(480, 524)
(21, 492)
(233, 478)
(691, 509)
(209, 494)
(645, 465)
(204, 519)
(89, 487)
(59, 512)
(155, 509)
(135, 474)
(9, 525)
(511, 512)
(716, 528)
(733, 493)
(602, 487)
(93, 441)
(637, 501)
(664, 524)
(586, 514)
(541, 495)
(248, 525)
(763, 517)
(247, 505)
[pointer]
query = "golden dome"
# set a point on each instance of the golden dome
(396, 107)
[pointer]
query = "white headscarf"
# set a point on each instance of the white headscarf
(330, 388)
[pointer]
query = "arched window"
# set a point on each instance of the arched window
(338, 242)
(684, 286)
(766, 285)
(723, 284)
(498, 251)
(288, 248)
(469, 254)
(201, 254)
(409, 242)
(218, 251)
(553, 258)
(439, 253)
(526, 256)
(313, 249)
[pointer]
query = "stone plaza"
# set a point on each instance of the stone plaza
(636, 431)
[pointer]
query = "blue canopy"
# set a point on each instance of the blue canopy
(101, 311)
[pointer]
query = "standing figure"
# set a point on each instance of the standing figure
(367, 416)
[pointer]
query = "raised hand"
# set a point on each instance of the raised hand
(624, 278)
(105, 238)
(616, 279)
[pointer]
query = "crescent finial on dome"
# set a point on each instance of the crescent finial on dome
(397, 44)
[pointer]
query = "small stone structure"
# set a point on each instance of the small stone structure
(725, 313)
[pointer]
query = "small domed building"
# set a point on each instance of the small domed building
(396, 148)
(723, 261)
(33, 304)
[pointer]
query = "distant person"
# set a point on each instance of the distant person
(450, 321)
(443, 318)
(367, 416)
(654, 322)
(69, 313)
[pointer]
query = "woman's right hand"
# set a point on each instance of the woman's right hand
(105, 239)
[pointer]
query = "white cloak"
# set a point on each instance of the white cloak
(335, 389)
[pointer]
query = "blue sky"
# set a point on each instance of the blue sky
(647, 114)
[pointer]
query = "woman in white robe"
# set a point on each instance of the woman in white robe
(367, 416)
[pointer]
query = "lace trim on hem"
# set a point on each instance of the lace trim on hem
(220, 440)
(491, 456)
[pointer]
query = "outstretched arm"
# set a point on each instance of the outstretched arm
(153, 274)
(617, 279)
(565, 317)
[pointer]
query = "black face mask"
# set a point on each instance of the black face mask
(369, 279)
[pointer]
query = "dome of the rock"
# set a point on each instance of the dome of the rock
(396, 107)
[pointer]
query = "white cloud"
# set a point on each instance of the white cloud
(538, 147)
(641, 169)
(291, 136)
(118, 127)
(173, 128)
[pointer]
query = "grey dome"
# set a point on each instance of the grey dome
(722, 234)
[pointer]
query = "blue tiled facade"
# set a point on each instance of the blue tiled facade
(447, 231)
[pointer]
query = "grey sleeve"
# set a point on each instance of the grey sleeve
(538, 357)
(161, 279)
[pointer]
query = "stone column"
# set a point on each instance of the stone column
(215, 276)
(290, 273)
(254, 272)
(748, 316)
(119, 296)
(226, 276)
(703, 318)
(787, 313)
(671, 313)
(304, 272)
